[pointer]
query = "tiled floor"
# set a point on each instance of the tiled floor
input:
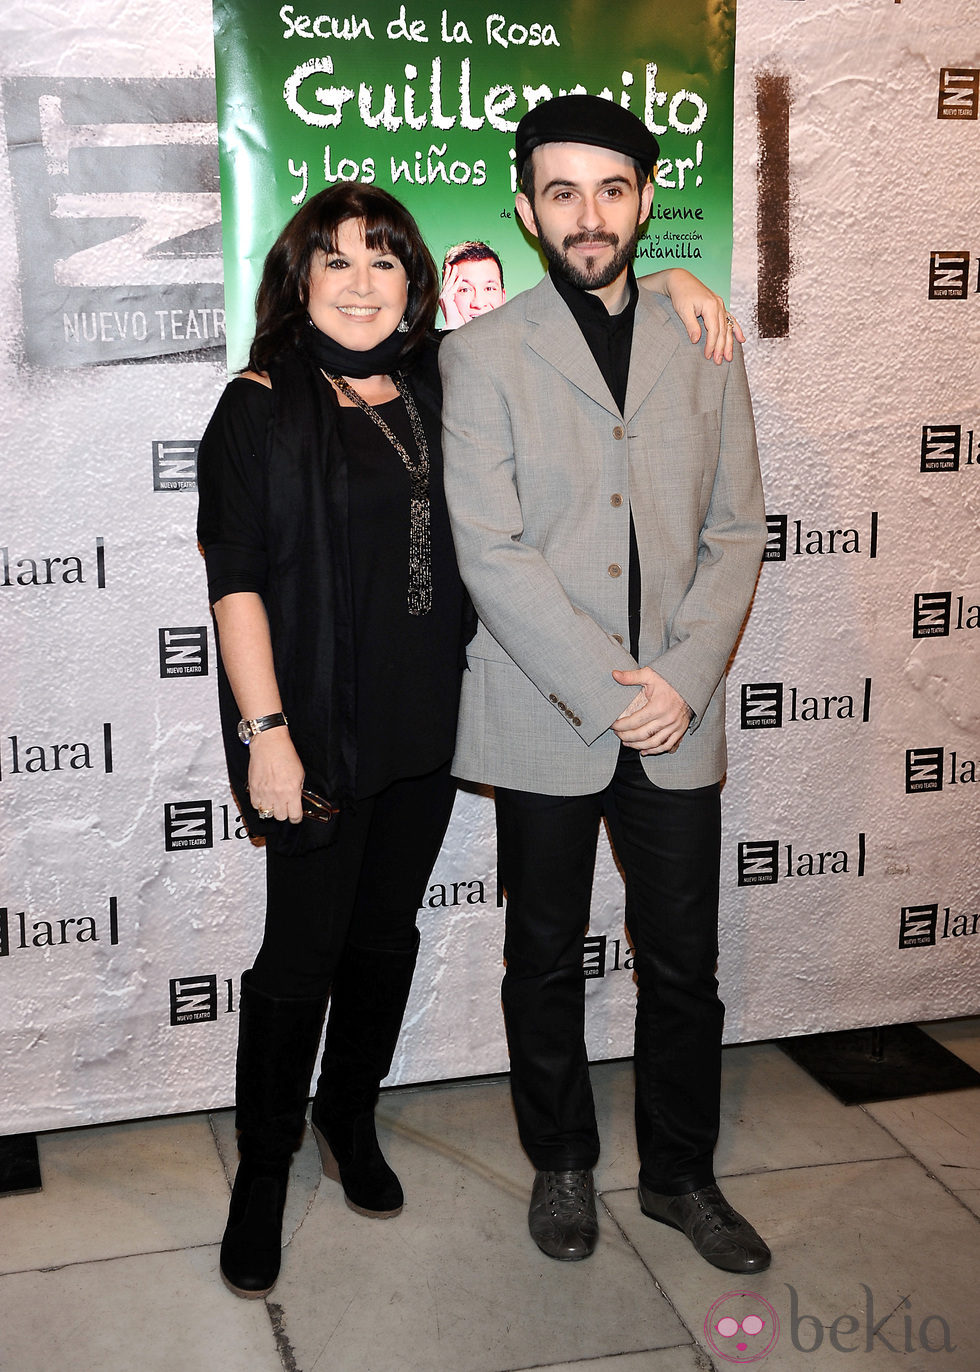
(873, 1214)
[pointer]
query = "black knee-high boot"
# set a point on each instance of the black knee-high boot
(277, 1043)
(367, 1005)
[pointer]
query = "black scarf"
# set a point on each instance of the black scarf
(337, 360)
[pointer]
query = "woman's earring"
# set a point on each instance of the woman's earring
(403, 324)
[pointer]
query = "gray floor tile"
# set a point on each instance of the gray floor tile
(155, 1313)
(773, 1115)
(455, 1282)
(943, 1132)
(688, 1359)
(117, 1189)
(834, 1231)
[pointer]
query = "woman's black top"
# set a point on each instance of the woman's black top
(398, 673)
(407, 666)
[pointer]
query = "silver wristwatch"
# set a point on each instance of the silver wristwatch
(248, 728)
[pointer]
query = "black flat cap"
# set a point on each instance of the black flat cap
(586, 119)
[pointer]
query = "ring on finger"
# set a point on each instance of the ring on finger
(729, 322)
(266, 814)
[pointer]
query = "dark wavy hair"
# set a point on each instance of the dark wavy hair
(284, 291)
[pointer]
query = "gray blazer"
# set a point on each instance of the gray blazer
(540, 473)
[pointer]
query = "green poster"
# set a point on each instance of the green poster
(423, 99)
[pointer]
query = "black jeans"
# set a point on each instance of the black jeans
(365, 889)
(668, 843)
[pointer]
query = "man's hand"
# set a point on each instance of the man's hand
(275, 775)
(656, 720)
(691, 298)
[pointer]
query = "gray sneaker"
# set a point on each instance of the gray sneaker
(720, 1234)
(562, 1217)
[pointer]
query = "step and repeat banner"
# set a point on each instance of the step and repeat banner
(130, 895)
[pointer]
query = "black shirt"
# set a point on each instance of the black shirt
(407, 665)
(610, 340)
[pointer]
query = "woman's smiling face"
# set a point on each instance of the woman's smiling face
(358, 294)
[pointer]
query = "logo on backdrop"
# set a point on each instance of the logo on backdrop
(184, 652)
(949, 275)
(936, 614)
(791, 538)
(928, 769)
(943, 448)
(923, 926)
(20, 567)
(194, 1000)
(188, 824)
(770, 705)
(25, 755)
(959, 93)
(199, 823)
(175, 464)
(19, 930)
(118, 217)
(765, 862)
(602, 955)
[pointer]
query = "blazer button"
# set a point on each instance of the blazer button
(619, 639)
(616, 500)
(576, 721)
(562, 705)
(553, 699)
(615, 570)
(619, 431)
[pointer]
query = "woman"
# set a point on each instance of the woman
(341, 624)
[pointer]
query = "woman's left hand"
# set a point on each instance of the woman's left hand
(692, 299)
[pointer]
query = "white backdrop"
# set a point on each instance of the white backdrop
(130, 901)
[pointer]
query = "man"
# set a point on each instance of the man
(472, 283)
(607, 508)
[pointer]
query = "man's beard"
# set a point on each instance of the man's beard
(591, 277)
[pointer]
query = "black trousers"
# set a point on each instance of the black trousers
(668, 843)
(366, 889)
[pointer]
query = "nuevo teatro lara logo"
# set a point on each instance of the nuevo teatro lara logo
(793, 538)
(770, 705)
(764, 862)
(191, 824)
(194, 1000)
(188, 824)
(959, 93)
(929, 769)
(118, 217)
(943, 448)
(175, 464)
(602, 955)
(949, 275)
(184, 652)
(924, 926)
(936, 614)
